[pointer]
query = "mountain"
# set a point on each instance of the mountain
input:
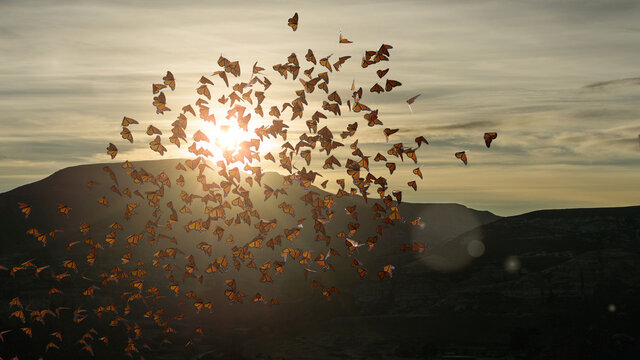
(116, 185)
(560, 284)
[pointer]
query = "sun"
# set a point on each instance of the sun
(226, 136)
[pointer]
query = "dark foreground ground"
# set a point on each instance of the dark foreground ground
(552, 284)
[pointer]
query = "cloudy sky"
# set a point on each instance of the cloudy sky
(558, 80)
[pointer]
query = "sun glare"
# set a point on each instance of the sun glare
(226, 136)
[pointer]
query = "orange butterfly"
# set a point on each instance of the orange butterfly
(372, 118)
(340, 61)
(343, 40)
(170, 80)
(25, 209)
(418, 172)
(488, 137)
(152, 130)
(156, 146)
(410, 101)
(462, 156)
(376, 88)
(325, 62)
(310, 57)
(126, 121)
(413, 185)
(293, 22)
(391, 84)
(382, 73)
(126, 134)
(420, 140)
(157, 87)
(160, 103)
(388, 132)
(391, 166)
(112, 150)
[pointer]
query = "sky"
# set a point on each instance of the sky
(558, 80)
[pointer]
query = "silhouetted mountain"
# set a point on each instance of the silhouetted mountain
(547, 284)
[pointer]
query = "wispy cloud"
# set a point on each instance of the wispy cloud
(602, 85)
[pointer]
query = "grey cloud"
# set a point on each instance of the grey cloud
(602, 85)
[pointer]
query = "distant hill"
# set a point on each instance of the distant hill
(441, 222)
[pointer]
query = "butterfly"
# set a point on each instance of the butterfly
(112, 150)
(25, 209)
(418, 172)
(156, 146)
(126, 134)
(376, 88)
(325, 62)
(382, 73)
(126, 121)
(170, 80)
(420, 140)
(152, 130)
(342, 39)
(160, 103)
(293, 22)
(462, 156)
(157, 87)
(488, 137)
(391, 84)
(411, 101)
(340, 61)
(388, 132)
(310, 57)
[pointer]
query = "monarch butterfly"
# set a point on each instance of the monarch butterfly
(126, 134)
(379, 157)
(223, 76)
(204, 90)
(308, 72)
(335, 97)
(418, 172)
(157, 87)
(340, 61)
(310, 57)
(411, 101)
(462, 156)
(200, 136)
(391, 167)
(388, 132)
(343, 40)
(160, 103)
(376, 88)
(112, 150)
(366, 62)
(156, 146)
(293, 22)
(63, 209)
(25, 209)
(413, 185)
(152, 130)
(391, 84)
(382, 73)
(420, 140)
(358, 106)
(325, 62)
(170, 80)
(126, 121)
(488, 137)
(323, 86)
